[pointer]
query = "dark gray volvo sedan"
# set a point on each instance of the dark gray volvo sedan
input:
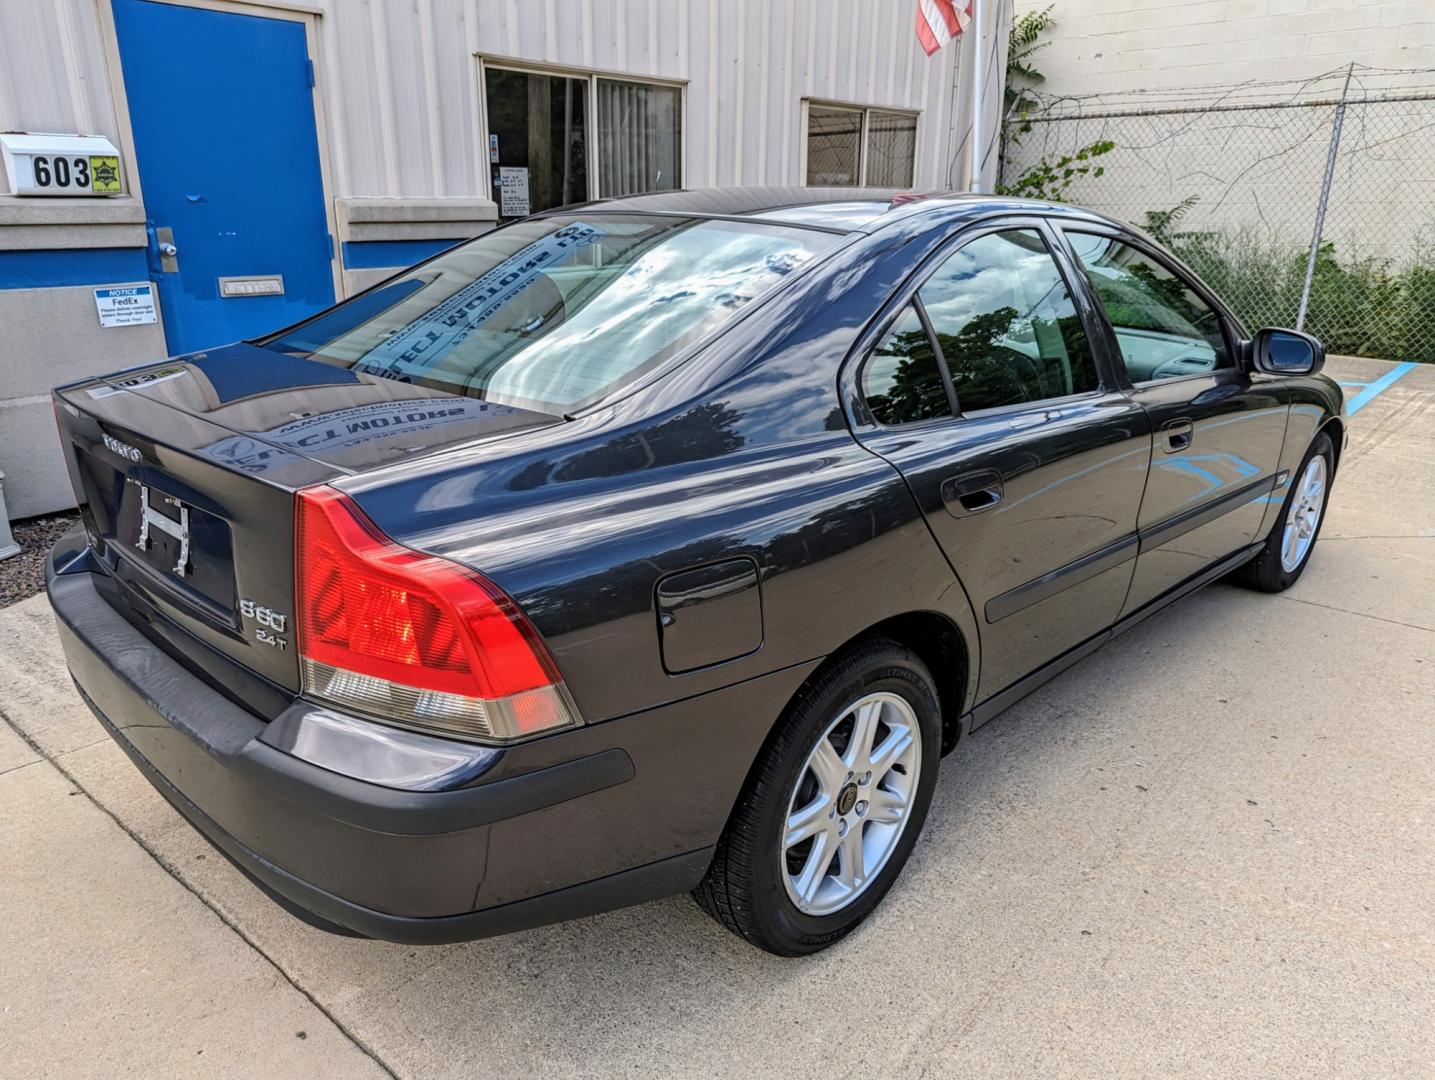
(662, 544)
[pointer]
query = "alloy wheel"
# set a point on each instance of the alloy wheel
(1304, 517)
(851, 803)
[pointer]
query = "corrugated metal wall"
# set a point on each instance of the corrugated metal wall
(52, 69)
(405, 89)
(401, 85)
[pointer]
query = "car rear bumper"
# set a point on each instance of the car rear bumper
(566, 826)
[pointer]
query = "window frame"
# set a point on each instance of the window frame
(1232, 330)
(590, 76)
(908, 293)
(865, 112)
(915, 303)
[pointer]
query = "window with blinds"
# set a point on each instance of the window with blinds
(850, 146)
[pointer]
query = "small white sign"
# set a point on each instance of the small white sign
(84, 165)
(512, 191)
(125, 305)
(493, 149)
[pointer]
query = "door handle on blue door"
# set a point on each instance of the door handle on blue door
(168, 253)
(1176, 435)
(971, 493)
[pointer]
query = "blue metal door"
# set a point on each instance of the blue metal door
(223, 116)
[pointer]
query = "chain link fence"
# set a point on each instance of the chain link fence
(1309, 206)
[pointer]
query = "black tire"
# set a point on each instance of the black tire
(744, 888)
(1265, 572)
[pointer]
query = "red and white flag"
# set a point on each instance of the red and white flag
(938, 21)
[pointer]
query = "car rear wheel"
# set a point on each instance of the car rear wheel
(1289, 546)
(833, 806)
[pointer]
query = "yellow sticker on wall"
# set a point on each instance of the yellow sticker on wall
(105, 175)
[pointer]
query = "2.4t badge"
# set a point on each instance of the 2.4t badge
(271, 623)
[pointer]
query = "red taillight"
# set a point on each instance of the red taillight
(413, 638)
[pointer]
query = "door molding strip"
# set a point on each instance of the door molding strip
(1062, 578)
(1163, 532)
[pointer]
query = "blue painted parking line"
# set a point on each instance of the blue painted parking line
(1378, 387)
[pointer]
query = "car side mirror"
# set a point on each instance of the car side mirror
(1286, 352)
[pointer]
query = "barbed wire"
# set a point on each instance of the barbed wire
(1371, 81)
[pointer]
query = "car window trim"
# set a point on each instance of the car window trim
(911, 286)
(1039, 403)
(915, 303)
(954, 405)
(1232, 332)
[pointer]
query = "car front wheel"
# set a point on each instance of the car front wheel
(1289, 546)
(833, 806)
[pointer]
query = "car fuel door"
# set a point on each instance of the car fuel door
(1217, 428)
(983, 389)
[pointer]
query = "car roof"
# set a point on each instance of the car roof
(838, 209)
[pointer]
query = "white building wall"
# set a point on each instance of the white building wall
(1122, 46)
(52, 70)
(400, 83)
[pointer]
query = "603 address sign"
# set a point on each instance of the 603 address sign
(61, 171)
(78, 174)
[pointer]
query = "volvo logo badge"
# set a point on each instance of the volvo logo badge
(124, 450)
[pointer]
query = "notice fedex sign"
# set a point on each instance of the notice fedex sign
(125, 305)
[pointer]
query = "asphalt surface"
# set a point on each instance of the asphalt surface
(1208, 849)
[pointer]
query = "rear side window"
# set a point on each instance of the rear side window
(1006, 324)
(1162, 325)
(551, 313)
(901, 382)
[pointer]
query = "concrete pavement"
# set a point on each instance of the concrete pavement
(1208, 849)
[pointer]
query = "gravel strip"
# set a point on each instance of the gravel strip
(23, 575)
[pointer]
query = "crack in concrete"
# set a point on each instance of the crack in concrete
(1359, 614)
(172, 871)
(17, 768)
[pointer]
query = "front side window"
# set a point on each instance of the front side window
(552, 312)
(853, 147)
(1163, 327)
(1006, 325)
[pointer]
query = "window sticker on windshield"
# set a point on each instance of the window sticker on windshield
(428, 339)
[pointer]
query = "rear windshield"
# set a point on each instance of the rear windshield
(553, 312)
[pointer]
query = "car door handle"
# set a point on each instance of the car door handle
(1177, 435)
(971, 493)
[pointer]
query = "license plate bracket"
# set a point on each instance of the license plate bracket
(155, 521)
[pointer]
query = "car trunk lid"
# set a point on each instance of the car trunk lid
(186, 471)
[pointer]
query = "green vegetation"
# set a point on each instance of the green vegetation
(1359, 305)
(1047, 179)
(1021, 76)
